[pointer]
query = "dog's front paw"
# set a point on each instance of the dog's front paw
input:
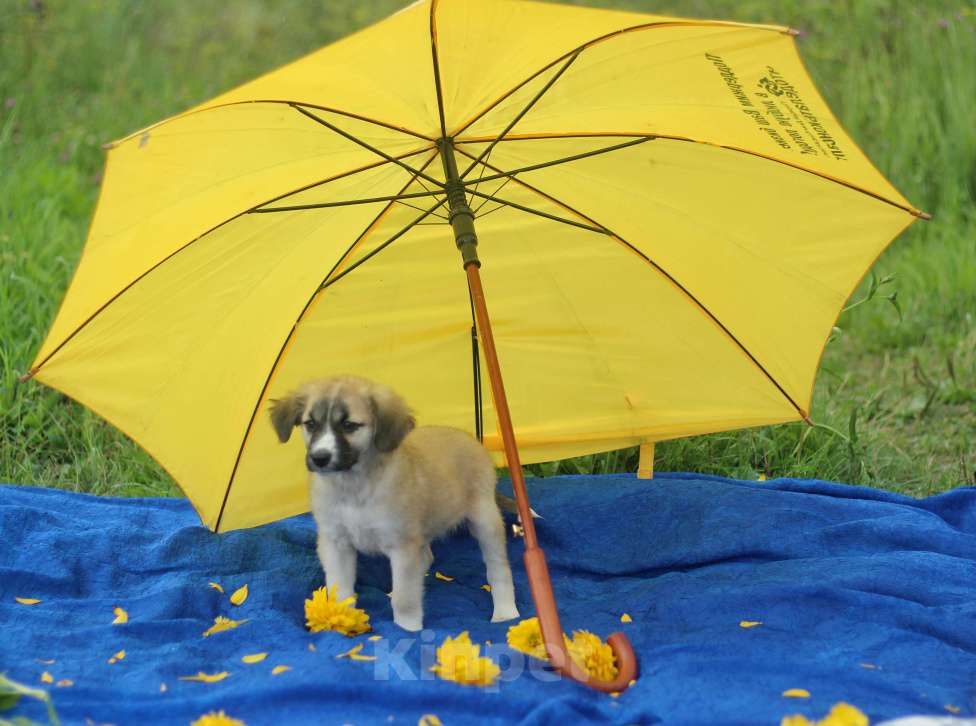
(504, 613)
(412, 622)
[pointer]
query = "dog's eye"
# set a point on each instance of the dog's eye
(350, 426)
(309, 424)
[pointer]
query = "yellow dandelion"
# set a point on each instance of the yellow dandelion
(796, 693)
(254, 658)
(27, 600)
(121, 616)
(278, 669)
(216, 587)
(592, 655)
(325, 612)
(749, 623)
(239, 596)
(441, 576)
(217, 718)
(202, 677)
(46, 677)
(526, 637)
(221, 624)
(842, 714)
(458, 660)
(117, 657)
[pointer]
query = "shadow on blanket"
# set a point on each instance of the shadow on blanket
(861, 596)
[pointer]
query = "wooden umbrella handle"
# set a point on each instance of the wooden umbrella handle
(535, 560)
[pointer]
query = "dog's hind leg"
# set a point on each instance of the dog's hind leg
(488, 528)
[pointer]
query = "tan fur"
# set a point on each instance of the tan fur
(408, 486)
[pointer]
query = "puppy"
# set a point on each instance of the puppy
(380, 485)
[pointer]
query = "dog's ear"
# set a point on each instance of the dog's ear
(286, 414)
(392, 416)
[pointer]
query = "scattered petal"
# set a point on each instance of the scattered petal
(952, 709)
(796, 693)
(254, 658)
(869, 666)
(117, 657)
(441, 576)
(353, 654)
(27, 600)
(221, 624)
(375, 637)
(45, 662)
(239, 596)
(163, 688)
(458, 660)
(280, 669)
(486, 588)
(325, 612)
(749, 623)
(121, 616)
(429, 719)
(217, 718)
(615, 694)
(216, 587)
(65, 683)
(206, 678)
(311, 647)
(46, 677)
(842, 714)
(762, 477)
(625, 618)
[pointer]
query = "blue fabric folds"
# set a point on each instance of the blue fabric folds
(863, 596)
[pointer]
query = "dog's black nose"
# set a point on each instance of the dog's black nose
(321, 459)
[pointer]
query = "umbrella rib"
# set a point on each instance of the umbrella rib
(368, 147)
(609, 36)
(668, 137)
(437, 68)
(344, 203)
(674, 282)
(566, 159)
(518, 117)
(291, 334)
(540, 213)
(33, 371)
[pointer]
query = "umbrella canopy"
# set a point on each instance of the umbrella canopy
(669, 217)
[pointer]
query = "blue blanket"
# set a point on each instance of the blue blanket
(862, 596)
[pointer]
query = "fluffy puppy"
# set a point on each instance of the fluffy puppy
(380, 485)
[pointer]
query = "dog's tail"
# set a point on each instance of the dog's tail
(507, 504)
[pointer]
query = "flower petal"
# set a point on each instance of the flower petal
(375, 637)
(205, 677)
(65, 683)
(749, 623)
(117, 657)
(221, 624)
(486, 588)
(625, 618)
(46, 677)
(239, 596)
(445, 578)
(254, 658)
(217, 718)
(27, 600)
(216, 587)
(796, 693)
(280, 669)
(429, 719)
(121, 616)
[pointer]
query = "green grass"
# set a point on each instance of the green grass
(75, 74)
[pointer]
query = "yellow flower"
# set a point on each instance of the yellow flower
(239, 596)
(217, 718)
(593, 655)
(587, 650)
(429, 719)
(458, 660)
(325, 612)
(526, 637)
(221, 624)
(205, 677)
(842, 714)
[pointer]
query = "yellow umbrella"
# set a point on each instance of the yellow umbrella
(669, 217)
